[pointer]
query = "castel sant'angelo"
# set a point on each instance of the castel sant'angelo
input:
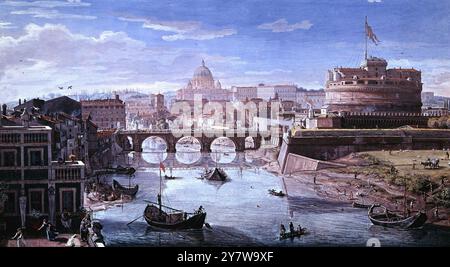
(371, 96)
(373, 88)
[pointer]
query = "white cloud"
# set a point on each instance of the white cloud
(270, 72)
(282, 25)
(50, 14)
(374, 1)
(46, 4)
(47, 56)
(6, 25)
(183, 30)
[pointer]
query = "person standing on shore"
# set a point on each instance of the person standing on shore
(19, 238)
(314, 178)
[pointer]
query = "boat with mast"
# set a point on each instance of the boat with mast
(171, 218)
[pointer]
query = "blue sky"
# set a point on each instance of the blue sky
(156, 45)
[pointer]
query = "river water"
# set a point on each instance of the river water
(242, 213)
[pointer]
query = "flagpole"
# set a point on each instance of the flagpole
(365, 37)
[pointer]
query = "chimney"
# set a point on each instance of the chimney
(20, 101)
(117, 97)
(4, 109)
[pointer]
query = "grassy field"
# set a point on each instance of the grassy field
(407, 162)
(402, 167)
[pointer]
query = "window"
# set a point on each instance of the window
(67, 199)
(36, 158)
(36, 200)
(9, 158)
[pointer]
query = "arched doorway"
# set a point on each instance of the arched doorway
(188, 150)
(223, 150)
(154, 149)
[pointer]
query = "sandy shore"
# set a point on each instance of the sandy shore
(340, 184)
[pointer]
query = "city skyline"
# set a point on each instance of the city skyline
(97, 45)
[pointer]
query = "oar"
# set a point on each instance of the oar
(135, 220)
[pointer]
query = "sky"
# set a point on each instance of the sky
(155, 46)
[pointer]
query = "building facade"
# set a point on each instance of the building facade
(105, 113)
(37, 187)
(305, 98)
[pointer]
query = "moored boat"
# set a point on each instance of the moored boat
(218, 174)
(124, 190)
(393, 220)
(360, 205)
(277, 193)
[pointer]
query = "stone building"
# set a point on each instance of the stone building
(37, 186)
(204, 85)
(105, 113)
(373, 88)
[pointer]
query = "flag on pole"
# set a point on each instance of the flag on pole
(371, 35)
(161, 166)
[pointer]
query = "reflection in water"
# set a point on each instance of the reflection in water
(223, 157)
(188, 157)
(241, 212)
(154, 157)
(154, 150)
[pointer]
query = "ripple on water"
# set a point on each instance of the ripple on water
(241, 213)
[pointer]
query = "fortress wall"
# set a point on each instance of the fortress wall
(333, 144)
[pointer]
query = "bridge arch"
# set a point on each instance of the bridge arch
(154, 149)
(223, 150)
(188, 150)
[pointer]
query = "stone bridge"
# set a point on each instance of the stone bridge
(205, 138)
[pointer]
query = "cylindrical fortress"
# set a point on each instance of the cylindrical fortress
(373, 88)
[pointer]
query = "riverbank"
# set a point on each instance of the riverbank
(60, 241)
(379, 179)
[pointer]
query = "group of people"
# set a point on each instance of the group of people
(291, 228)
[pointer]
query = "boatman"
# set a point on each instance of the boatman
(200, 210)
(282, 229)
(291, 227)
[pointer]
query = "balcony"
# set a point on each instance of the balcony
(68, 171)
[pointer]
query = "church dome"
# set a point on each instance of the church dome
(202, 77)
(203, 72)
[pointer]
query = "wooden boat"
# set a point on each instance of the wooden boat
(218, 174)
(360, 205)
(296, 233)
(172, 219)
(129, 191)
(276, 193)
(169, 177)
(390, 219)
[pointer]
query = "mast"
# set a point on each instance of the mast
(160, 185)
(365, 37)
(404, 197)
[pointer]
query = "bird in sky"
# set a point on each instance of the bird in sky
(60, 87)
